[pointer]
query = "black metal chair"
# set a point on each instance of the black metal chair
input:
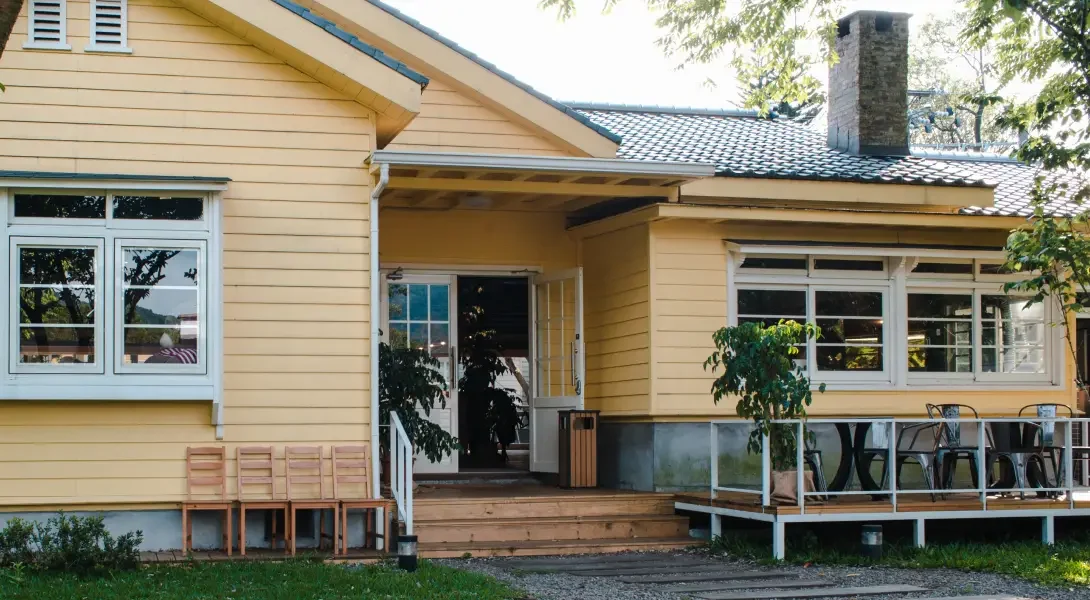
(916, 443)
(951, 448)
(1041, 436)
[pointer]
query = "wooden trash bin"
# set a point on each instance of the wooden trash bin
(578, 447)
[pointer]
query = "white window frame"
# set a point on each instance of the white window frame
(180, 384)
(897, 283)
(95, 45)
(17, 242)
(119, 307)
(62, 44)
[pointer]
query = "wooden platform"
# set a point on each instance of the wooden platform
(534, 520)
(255, 554)
(867, 504)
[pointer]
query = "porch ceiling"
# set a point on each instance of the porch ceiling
(533, 183)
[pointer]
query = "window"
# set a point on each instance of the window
(852, 323)
(46, 29)
(109, 26)
(108, 285)
(935, 320)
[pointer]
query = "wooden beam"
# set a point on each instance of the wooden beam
(425, 198)
(527, 187)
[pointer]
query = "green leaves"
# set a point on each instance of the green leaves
(758, 368)
(411, 383)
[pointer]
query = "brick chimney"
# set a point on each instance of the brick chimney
(868, 88)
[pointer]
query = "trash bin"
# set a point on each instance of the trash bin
(578, 445)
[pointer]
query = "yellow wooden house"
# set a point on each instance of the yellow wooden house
(215, 209)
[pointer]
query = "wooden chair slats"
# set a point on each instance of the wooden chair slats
(256, 480)
(352, 486)
(255, 464)
(305, 475)
(206, 490)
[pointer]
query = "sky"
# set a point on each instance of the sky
(594, 57)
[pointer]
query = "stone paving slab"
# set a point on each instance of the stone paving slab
(602, 559)
(721, 575)
(749, 584)
(874, 590)
(984, 597)
(620, 569)
(663, 570)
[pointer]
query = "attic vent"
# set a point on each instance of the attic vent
(47, 25)
(109, 26)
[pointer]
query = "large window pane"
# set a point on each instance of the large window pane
(1013, 335)
(60, 206)
(940, 333)
(154, 207)
(161, 306)
(850, 331)
(56, 299)
(849, 358)
(848, 304)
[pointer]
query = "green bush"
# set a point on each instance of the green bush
(78, 545)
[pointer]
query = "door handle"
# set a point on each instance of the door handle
(573, 361)
(453, 367)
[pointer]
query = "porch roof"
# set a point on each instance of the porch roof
(449, 180)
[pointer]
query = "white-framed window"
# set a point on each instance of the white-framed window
(914, 321)
(47, 26)
(109, 26)
(112, 293)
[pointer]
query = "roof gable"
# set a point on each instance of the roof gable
(436, 56)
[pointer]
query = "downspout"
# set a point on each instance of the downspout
(376, 320)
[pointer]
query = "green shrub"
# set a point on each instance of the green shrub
(78, 545)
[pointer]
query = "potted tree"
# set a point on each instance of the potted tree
(411, 384)
(758, 367)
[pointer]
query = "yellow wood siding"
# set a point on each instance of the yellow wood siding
(689, 302)
(617, 312)
(452, 122)
(475, 238)
(195, 100)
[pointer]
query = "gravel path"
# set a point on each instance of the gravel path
(941, 582)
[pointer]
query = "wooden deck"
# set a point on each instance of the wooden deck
(866, 504)
(256, 554)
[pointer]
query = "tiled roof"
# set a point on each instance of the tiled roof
(578, 116)
(742, 144)
(354, 41)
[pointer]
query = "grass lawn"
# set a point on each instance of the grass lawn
(1064, 564)
(299, 579)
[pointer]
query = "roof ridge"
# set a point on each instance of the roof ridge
(992, 157)
(354, 41)
(581, 118)
(666, 109)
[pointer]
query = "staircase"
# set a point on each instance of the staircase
(547, 523)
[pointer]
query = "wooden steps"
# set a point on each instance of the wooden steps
(550, 548)
(452, 522)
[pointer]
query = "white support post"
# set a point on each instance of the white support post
(713, 464)
(981, 468)
(766, 473)
(717, 526)
(918, 533)
(778, 541)
(891, 460)
(800, 468)
(1048, 530)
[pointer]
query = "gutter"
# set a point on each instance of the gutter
(376, 319)
(545, 164)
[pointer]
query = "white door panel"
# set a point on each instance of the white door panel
(420, 310)
(558, 352)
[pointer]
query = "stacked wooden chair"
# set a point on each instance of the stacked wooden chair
(206, 490)
(352, 487)
(306, 487)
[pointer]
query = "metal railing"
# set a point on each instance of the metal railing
(982, 451)
(401, 472)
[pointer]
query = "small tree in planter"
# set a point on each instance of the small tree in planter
(411, 385)
(758, 367)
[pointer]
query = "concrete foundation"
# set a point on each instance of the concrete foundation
(162, 529)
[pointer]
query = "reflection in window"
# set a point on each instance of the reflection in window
(154, 207)
(420, 317)
(940, 333)
(56, 305)
(1012, 335)
(852, 330)
(60, 206)
(161, 306)
(769, 307)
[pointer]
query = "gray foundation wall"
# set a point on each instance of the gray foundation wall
(162, 529)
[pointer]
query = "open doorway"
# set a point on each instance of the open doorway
(494, 384)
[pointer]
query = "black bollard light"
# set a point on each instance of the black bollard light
(406, 552)
(872, 541)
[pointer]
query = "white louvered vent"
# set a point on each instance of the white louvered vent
(109, 26)
(47, 25)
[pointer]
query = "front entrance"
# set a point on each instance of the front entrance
(511, 350)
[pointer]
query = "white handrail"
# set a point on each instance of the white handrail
(401, 472)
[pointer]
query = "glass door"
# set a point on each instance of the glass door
(420, 312)
(558, 361)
